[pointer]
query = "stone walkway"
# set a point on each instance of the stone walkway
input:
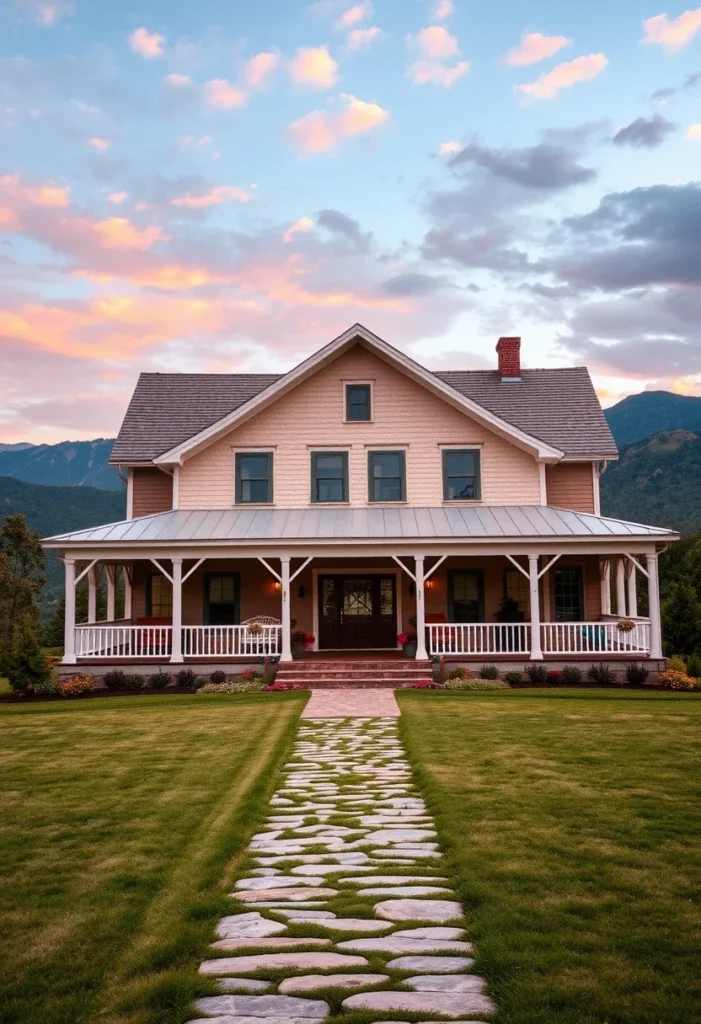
(344, 904)
(352, 704)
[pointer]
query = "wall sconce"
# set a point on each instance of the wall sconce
(429, 584)
(277, 586)
(301, 590)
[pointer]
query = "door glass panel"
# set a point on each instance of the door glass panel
(386, 596)
(466, 597)
(328, 598)
(357, 597)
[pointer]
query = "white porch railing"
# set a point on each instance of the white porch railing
(117, 642)
(560, 638)
(230, 641)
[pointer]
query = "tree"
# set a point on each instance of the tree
(681, 619)
(25, 663)
(21, 575)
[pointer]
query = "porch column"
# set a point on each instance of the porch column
(69, 617)
(127, 577)
(110, 573)
(92, 594)
(421, 654)
(605, 574)
(653, 584)
(632, 590)
(620, 588)
(536, 649)
(176, 649)
(286, 652)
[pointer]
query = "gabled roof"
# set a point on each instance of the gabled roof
(248, 526)
(549, 412)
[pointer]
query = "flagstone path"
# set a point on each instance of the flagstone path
(344, 904)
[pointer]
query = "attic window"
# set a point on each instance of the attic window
(358, 403)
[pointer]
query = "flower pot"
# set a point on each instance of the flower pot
(409, 650)
(298, 650)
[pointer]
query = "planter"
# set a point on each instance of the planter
(298, 650)
(409, 650)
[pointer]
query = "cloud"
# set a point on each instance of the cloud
(222, 95)
(644, 132)
(693, 133)
(535, 47)
(213, 197)
(354, 15)
(672, 34)
(314, 67)
(148, 45)
(443, 10)
(14, 189)
(116, 198)
(415, 283)
(361, 37)
(544, 166)
(449, 148)
(436, 46)
(301, 225)
(120, 233)
(99, 144)
(340, 224)
(323, 130)
(45, 12)
(564, 76)
(259, 69)
(178, 81)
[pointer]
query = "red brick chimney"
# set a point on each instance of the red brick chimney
(509, 352)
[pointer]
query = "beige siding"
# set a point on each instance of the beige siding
(153, 492)
(405, 414)
(571, 485)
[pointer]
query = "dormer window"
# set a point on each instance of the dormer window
(358, 403)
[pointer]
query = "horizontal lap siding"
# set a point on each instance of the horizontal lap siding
(571, 485)
(152, 492)
(405, 414)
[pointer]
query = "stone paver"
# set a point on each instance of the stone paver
(346, 824)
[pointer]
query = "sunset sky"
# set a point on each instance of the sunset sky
(226, 186)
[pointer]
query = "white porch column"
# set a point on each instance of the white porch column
(69, 618)
(632, 590)
(421, 654)
(605, 573)
(92, 594)
(536, 649)
(653, 584)
(110, 574)
(127, 577)
(176, 650)
(620, 588)
(286, 652)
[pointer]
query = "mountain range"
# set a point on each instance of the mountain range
(68, 464)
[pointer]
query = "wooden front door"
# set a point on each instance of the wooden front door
(357, 612)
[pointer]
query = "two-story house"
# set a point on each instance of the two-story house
(360, 496)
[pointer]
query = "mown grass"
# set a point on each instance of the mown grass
(122, 824)
(572, 823)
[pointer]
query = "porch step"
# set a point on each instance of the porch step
(337, 674)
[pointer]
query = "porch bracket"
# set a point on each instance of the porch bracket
(302, 567)
(195, 567)
(86, 571)
(548, 566)
(159, 566)
(524, 572)
(433, 568)
(638, 565)
(402, 566)
(270, 569)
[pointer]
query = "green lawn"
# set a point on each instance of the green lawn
(122, 821)
(573, 820)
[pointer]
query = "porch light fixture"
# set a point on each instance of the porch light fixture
(429, 584)
(277, 586)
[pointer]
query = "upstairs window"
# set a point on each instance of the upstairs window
(329, 476)
(461, 474)
(387, 476)
(358, 403)
(254, 478)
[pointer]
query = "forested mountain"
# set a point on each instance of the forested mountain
(70, 463)
(650, 412)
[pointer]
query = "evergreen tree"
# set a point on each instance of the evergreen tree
(21, 575)
(25, 663)
(681, 619)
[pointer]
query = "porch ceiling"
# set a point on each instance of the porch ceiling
(245, 526)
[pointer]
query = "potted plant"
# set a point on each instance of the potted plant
(301, 641)
(407, 642)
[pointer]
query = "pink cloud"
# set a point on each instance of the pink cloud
(355, 14)
(258, 69)
(564, 76)
(449, 148)
(315, 67)
(116, 198)
(13, 188)
(672, 34)
(322, 130)
(46, 12)
(436, 47)
(444, 9)
(120, 233)
(693, 133)
(425, 72)
(100, 144)
(222, 95)
(301, 225)
(213, 197)
(535, 47)
(177, 80)
(436, 43)
(361, 37)
(148, 45)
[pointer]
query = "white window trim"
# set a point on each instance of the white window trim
(253, 450)
(463, 447)
(349, 383)
(352, 571)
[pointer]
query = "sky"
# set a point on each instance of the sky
(227, 186)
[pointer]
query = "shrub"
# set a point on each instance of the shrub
(186, 679)
(672, 679)
(25, 664)
(77, 685)
(693, 666)
(47, 688)
(302, 639)
(537, 674)
(489, 672)
(114, 680)
(571, 675)
(476, 684)
(636, 674)
(249, 686)
(249, 673)
(512, 678)
(278, 688)
(602, 675)
(458, 673)
(677, 664)
(425, 684)
(134, 682)
(218, 677)
(554, 678)
(159, 680)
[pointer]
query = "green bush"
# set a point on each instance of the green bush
(489, 672)
(134, 682)
(218, 677)
(636, 674)
(677, 664)
(48, 688)
(602, 675)
(571, 675)
(537, 674)
(476, 684)
(186, 679)
(159, 680)
(693, 665)
(114, 679)
(512, 678)
(25, 664)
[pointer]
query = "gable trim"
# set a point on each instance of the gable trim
(533, 445)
